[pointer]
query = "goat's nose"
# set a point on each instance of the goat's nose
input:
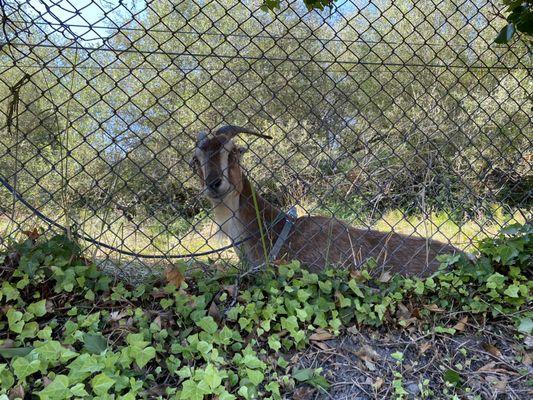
(214, 183)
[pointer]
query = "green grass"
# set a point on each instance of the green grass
(177, 236)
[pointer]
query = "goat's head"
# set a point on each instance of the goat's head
(216, 161)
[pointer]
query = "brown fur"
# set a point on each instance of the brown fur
(316, 241)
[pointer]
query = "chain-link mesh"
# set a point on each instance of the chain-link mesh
(398, 116)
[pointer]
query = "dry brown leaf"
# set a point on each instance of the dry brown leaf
(528, 358)
(492, 349)
(320, 335)
(231, 289)
(33, 234)
(434, 308)
(424, 347)
(157, 321)
(214, 312)
(499, 383)
(321, 345)
(385, 277)
(491, 368)
(303, 393)
(174, 276)
(378, 384)
(403, 312)
(367, 353)
(461, 325)
(16, 392)
(46, 381)
(353, 330)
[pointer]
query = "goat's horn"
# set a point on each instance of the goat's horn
(233, 130)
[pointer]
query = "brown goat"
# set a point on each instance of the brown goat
(315, 241)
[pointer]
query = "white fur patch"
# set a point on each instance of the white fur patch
(227, 218)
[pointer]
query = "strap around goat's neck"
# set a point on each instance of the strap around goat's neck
(290, 217)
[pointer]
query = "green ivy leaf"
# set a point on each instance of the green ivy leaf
(452, 377)
(38, 309)
(95, 343)
(255, 376)
(212, 377)
(57, 389)
(101, 383)
(208, 324)
(22, 367)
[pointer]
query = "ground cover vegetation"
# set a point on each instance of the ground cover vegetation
(69, 331)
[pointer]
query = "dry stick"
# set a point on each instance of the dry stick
(259, 223)
(64, 160)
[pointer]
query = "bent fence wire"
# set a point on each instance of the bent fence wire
(398, 117)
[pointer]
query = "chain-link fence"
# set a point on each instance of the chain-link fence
(398, 116)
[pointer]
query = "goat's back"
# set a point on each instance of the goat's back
(320, 241)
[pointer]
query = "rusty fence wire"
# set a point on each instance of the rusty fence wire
(399, 116)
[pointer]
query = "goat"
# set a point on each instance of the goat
(316, 241)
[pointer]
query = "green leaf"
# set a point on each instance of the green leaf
(78, 390)
(82, 367)
(101, 383)
(95, 343)
(22, 367)
(14, 319)
(255, 376)
(208, 324)
(57, 389)
(505, 34)
(512, 291)
(144, 356)
(38, 309)
(14, 352)
(191, 391)
(274, 343)
(212, 377)
(452, 377)
(526, 326)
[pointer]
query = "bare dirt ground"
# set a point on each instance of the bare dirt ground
(484, 362)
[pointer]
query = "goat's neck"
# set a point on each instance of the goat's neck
(237, 216)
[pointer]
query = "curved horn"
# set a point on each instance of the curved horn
(233, 130)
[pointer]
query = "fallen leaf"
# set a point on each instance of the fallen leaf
(528, 358)
(46, 381)
(378, 384)
(491, 349)
(321, 345)
(303, 392)
(353, 330)
(214, 312)
(461, 325)
(367, 353)
(33, 234)
(320, 335)
(403, 312)
(117, 315)
(174, 276)
(16, 392)
(424, 347)
(434, 308)
(157, 321)
(499, 383)
(231, 289)
(385, 277)
(492, 368)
